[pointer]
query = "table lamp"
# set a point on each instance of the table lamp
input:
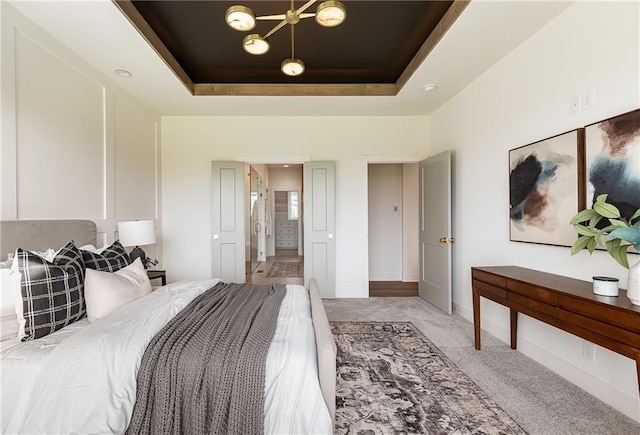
(137, 233)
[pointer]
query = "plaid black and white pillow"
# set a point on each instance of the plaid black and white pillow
(113, 258)
(52, 293)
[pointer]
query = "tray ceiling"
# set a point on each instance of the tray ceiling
(374, 52)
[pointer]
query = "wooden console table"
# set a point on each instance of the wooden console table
(566, 303)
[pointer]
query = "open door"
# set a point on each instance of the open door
(319, 226)
(227, 212)
(435, 231)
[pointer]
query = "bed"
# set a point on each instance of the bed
(83, 378)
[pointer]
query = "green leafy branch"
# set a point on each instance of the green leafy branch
(149, 262)
(620, 229)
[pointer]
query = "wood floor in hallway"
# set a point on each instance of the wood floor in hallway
(260, 274)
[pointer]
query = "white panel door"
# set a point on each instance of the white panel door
(435, 231)
(319, 226)
(227, 190)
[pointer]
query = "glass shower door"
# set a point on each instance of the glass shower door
(254, 226)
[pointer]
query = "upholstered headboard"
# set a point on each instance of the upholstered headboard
(39, 235)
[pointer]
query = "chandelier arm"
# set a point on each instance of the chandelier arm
(271, 17)
(292, 43)
(277, 27)
(279, 17)
(304, 7)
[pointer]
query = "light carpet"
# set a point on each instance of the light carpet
(392, 379)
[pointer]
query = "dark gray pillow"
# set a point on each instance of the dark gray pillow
(52, 293)
(113, 258)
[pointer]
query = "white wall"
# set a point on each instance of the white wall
(281, 179)
(522, 99)
(385, 222)
(189, 144)
(74, 144)
(410, 222)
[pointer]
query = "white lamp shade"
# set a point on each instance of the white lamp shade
(137, 233)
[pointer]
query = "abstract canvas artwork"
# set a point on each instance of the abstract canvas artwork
(613, 161)
(545, 184)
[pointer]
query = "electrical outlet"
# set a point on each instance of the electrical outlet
(574, 104)
(587, 100)
(588, 351)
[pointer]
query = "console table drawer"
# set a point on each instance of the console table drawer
(623, 318)
(551, 310)
(601, 328)
(490, 278)
(532, 291)
(500, 292)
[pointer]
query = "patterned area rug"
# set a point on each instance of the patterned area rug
(392, 380)
(285, 269)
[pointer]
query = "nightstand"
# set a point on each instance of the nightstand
(155, 274)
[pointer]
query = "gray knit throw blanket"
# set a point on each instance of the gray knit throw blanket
(204, 372)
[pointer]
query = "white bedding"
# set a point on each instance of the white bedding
(82, 379)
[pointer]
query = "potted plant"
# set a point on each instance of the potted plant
(621, 233)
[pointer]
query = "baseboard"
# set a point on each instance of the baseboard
(609, 394)
(385, 277)
(411, 277)
(352, 292)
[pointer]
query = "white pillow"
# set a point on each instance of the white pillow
(104, 291)
(9, 294)
(93, 249)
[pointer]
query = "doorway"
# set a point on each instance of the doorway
(392, 225)
(278, 212)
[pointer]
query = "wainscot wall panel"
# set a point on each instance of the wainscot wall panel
(60, 136)
(135, 160)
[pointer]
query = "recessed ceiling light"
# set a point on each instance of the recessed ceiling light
(429, 87)
(123, 73)
(286, 166)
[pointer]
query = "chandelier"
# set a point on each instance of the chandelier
(328, 14)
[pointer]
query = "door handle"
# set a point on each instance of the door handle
(447, 240)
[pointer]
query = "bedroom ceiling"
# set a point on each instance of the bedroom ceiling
(373, 52)
(102, 36)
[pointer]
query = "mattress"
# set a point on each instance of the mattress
(82, 379)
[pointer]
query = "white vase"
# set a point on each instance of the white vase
(633, 284)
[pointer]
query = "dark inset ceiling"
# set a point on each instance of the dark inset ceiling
(373, 52)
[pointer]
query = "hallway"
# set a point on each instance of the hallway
(260, 276)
